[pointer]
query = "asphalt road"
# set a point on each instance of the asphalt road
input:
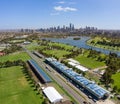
(71, 89)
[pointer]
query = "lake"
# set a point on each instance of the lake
(81, 44)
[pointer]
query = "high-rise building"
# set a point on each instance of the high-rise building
(70, 26)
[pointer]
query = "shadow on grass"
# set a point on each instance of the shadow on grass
(31, 82)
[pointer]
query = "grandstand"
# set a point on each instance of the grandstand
(38, 54)
(39, 72)
(90, 86)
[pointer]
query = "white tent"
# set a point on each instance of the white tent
(72, 64)
(77, 65)
(52, 94)
(81, 68)
(74, 61)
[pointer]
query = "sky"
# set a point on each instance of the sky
(34, 14)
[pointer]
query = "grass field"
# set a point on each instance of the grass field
(15, 56)
(32, 46)
(57, 53)
(65, 46)
(116, 78)
(15, 89)
(89, 62)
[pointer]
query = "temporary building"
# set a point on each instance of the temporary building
(52, 95)
(81, 68)
(74, 61)
(72, 64)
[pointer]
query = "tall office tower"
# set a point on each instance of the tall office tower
(64, 27)
(70, 26)
(73, 27)
(58, 28)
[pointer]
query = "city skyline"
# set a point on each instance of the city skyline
(103, 14)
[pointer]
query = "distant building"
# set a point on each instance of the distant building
(26, 42)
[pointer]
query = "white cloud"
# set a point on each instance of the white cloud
(61, 2)
(65, 9)
(54, 14)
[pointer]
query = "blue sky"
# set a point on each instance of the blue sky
(104, 14)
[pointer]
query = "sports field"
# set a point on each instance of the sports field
(15, 89)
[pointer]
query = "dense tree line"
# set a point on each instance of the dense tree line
(106, 41)
(93, 53)
(12, 63)
(111, 43)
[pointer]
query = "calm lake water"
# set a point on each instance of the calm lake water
(81, 44)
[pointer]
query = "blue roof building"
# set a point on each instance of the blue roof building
(39, 72)
(88, 85)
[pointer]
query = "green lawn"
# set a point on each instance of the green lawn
(65, 46)
(89, 62)
(57, 53)
(15, 56)
(32, 46)
(116, 78)
(15, 89)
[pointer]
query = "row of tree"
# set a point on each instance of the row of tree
(12, 63)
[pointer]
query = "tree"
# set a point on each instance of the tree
(1, 64)
(119, 90)
(46, 101)
(9, 63)
(115, 88)
(112, 81)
